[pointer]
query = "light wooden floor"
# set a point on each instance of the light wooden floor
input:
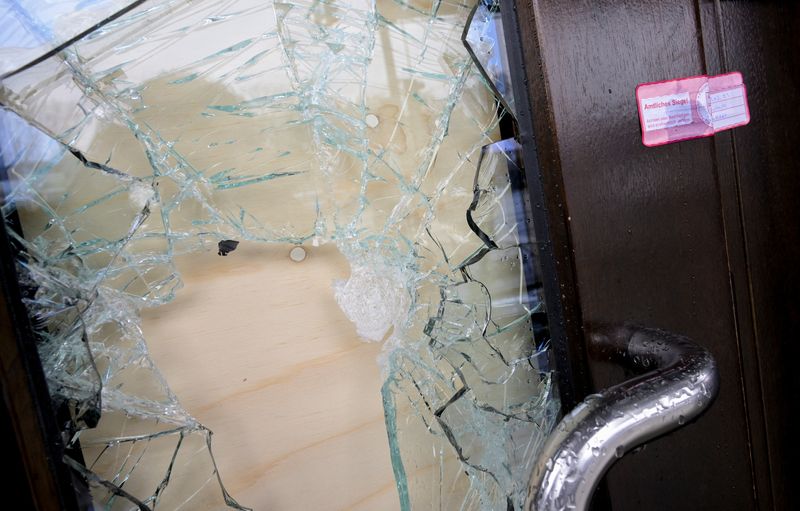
(257, 349)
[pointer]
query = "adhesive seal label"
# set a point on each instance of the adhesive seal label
(686, 108)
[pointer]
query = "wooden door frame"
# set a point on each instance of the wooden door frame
(35, 447)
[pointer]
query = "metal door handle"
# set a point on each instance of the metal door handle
(683, 382)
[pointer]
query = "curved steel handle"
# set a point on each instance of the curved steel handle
(683, 383)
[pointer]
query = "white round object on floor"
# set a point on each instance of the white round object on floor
(372, 120)
(297, 254)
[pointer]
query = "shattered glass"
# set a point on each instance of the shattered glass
(483, 37)
(33, 28)
(173, 129)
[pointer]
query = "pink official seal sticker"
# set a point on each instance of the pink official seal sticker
(694, 107)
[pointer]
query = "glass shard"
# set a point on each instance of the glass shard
(33, 28)
(483, 37)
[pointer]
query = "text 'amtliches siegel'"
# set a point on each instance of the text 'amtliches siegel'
(694, 107)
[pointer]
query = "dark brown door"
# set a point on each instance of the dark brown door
(700, 237)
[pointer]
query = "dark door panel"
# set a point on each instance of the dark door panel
(761, 40)
(696, 237)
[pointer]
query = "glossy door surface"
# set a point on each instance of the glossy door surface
(698, 237)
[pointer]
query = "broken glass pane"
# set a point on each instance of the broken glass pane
(32, 28)
(361, 130)
(483, 37)
(481, 366)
